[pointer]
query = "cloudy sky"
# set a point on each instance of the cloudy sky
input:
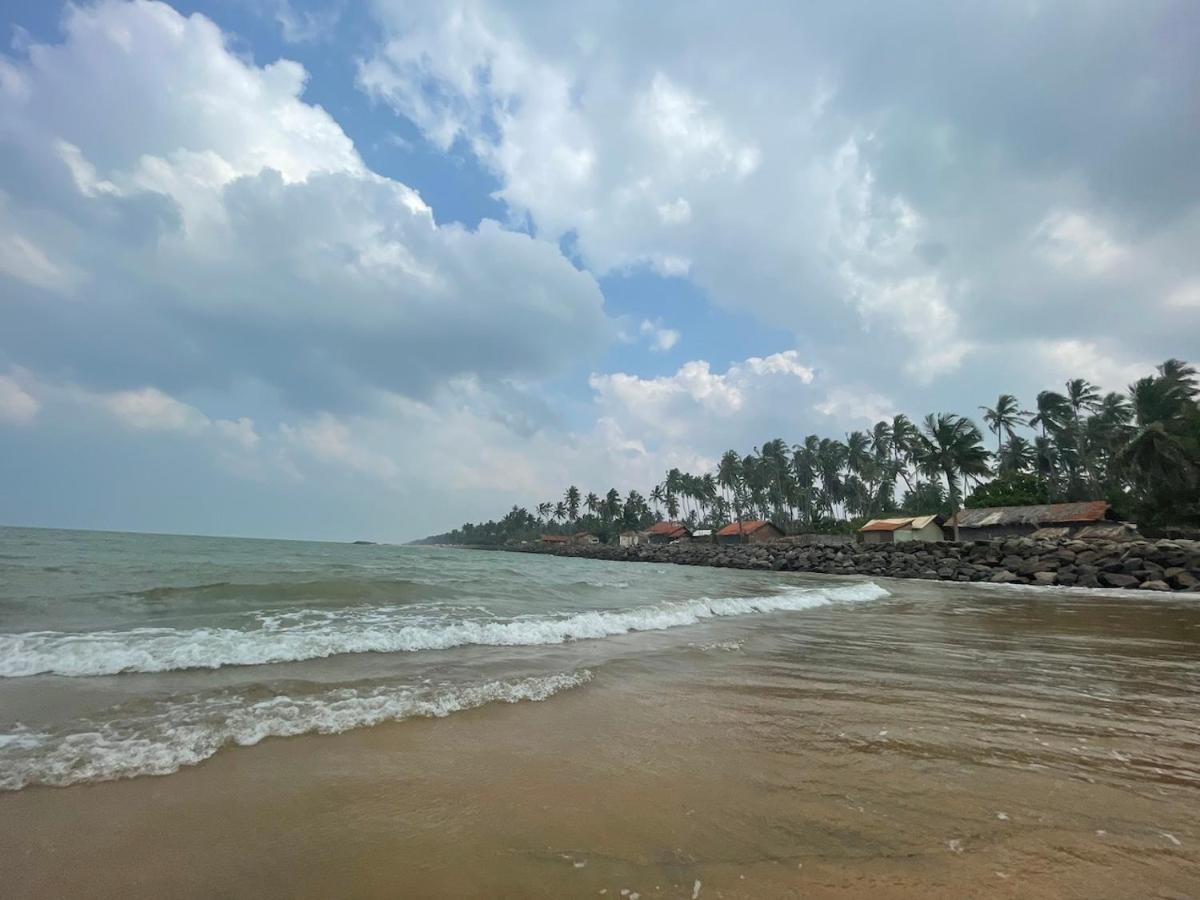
(341, 270)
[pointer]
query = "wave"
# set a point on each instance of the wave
(315, 634)
(175, 734)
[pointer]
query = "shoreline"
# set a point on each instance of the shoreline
(1167, 566)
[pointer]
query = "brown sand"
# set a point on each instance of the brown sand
(1018, 761)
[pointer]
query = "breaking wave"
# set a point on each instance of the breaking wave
(315, 634)
(178, 733)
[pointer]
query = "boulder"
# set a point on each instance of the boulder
(1155, 586)
(1003, 577)
(1118, 580)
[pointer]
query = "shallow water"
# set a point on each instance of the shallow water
(519, 725)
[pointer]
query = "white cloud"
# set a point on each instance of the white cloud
(1185, 296)
(153, 410)
(1104, 363)
(1073, 241)
(17, 405)
(240, 212)
(856, 405)
(803, 179)
(686, 405)
(661, 338)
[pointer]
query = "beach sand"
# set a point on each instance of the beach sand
(777, 765)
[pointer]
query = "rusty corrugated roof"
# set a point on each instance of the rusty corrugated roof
(1048, 514)
(914, 522)
(885, 524)
(743, 528)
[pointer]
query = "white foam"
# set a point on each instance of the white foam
(185, 733)
(308, 634)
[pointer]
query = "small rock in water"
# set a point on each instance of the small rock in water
(955, 845)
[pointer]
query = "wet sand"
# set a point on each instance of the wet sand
(940, 745)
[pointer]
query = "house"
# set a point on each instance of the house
(585, 537)
(703, 535)
(667, 533)
(756, 532)
(629, 538)
(555, 539)
(905, 528)
(1019, 521)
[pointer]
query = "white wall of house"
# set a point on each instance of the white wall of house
(931, 532)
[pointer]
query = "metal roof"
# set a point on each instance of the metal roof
(916, 523)
(1049, 514)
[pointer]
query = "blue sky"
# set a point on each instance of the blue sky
(334, 270)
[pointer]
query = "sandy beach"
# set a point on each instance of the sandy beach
(944, 743)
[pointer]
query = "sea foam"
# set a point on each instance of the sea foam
(184, 732)
(310, 634)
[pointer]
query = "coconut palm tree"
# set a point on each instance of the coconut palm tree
(952, 446)
(1002, 418)
(571, 499)
(1017, 455)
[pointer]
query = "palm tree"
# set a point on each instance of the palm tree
(1052, 412)
(658, 497)
(1002, 418)
(560, 511)
(543, 510)
(592, 503)
(572, 502)
(1018, 455)
(906, 439)
(953, 448)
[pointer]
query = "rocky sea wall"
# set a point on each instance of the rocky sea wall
(1156, 565)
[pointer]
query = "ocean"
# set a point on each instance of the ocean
(521, 724)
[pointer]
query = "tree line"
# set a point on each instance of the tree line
(1139, 449)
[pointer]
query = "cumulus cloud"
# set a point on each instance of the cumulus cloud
(835, 173)
(699, 407)
(223, 229)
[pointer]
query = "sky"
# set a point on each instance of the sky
(368, 270)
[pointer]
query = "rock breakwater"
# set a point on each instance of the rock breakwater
(1155, 565)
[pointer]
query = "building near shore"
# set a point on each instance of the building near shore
(667, 533)
(585, 537)
(758, 531)
(1020, 521)
(555, 539)
(703, 535)
(902, 529)
(629, 538)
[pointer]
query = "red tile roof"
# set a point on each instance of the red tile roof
(667, 528)
(733, 528)
(554, 539)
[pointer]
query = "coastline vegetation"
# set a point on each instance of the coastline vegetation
(1140, 450)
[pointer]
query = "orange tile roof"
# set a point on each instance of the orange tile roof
(666, 528)
(743, 528)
